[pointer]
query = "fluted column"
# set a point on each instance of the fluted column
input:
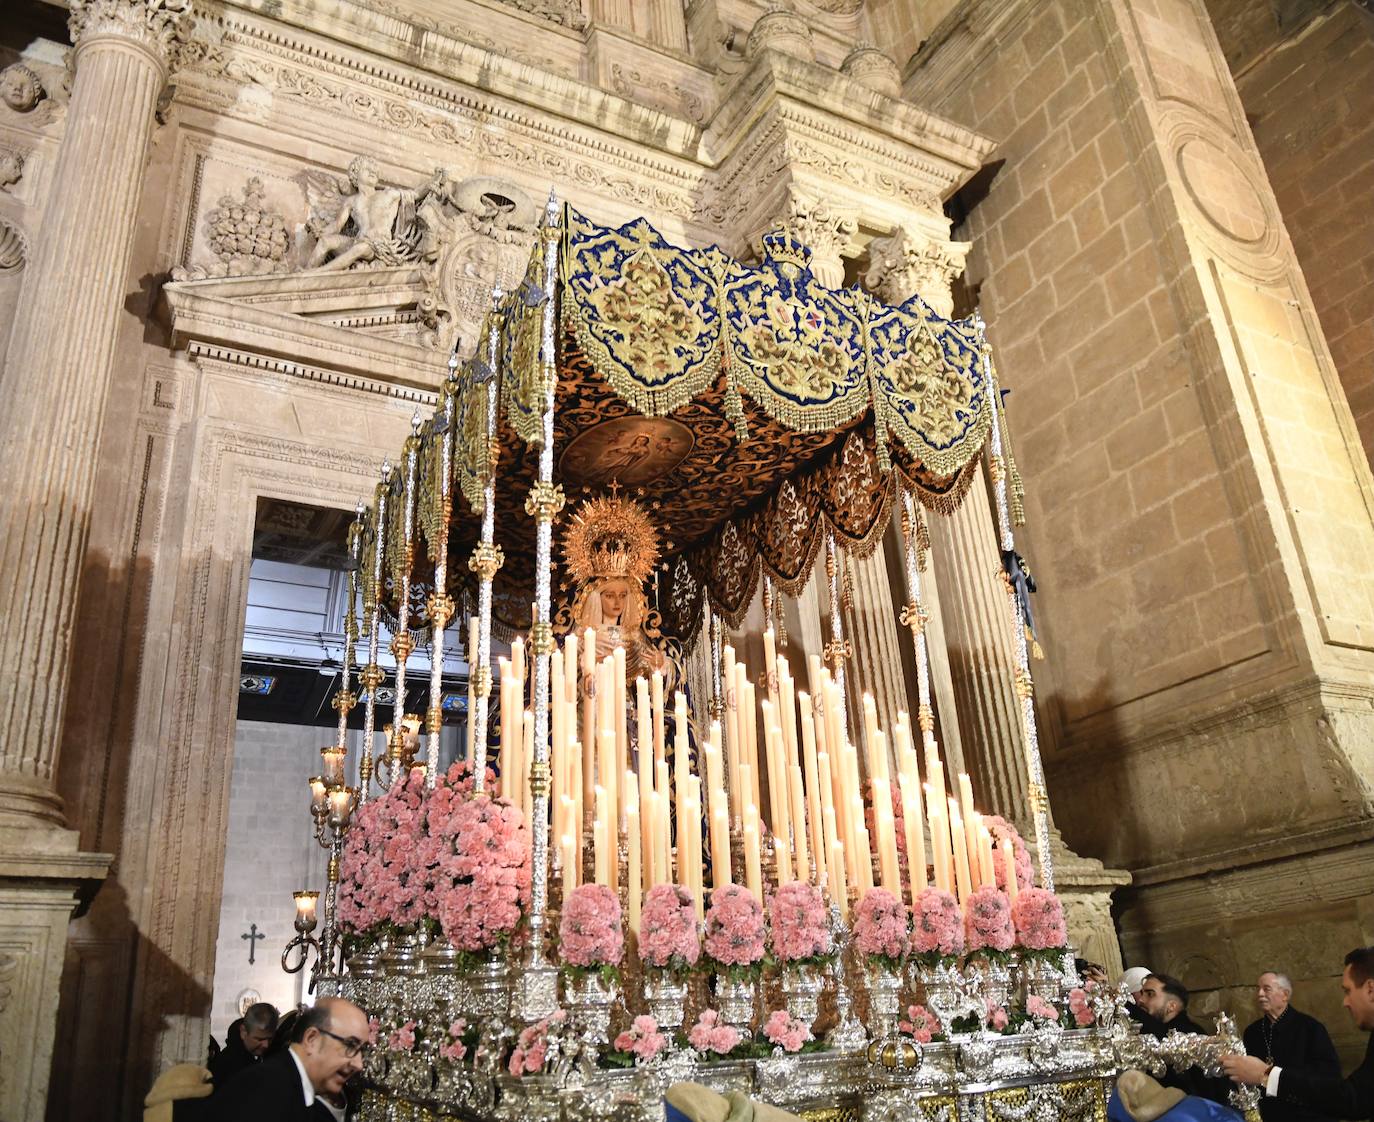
(57, 375)
(973, 604)
(662, 22)
(871, 625)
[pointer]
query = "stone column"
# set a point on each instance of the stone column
(662, 22)
(52, 403)
(870, 623)
(979, 652)
(52, 397)
(978, 648)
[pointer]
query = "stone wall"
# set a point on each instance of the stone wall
(268, 854)
(1310, 101)
(1181, 431)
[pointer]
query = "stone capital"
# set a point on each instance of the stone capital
(826, 229)
(162, 27)
(906, 264)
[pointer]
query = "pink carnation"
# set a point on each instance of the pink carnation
(997, 1016)
(403, 1039)
(880, 927)
(786, 1031)
(532, 1046)
(668, 927)
(455, 1049)
(1038, 915)
(642, 1039)
(374, 1026)
(478, 849)
(801, 930)
(987, 921)
(921, 1024)
(734, 927)
(710, 1035)
(382, 871)
(1080, 1007)
(939, 927)
(1004, 832)
(589, 932)
(1038, 1007)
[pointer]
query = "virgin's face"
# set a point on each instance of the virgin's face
(613, 602)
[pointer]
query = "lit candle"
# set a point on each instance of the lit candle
(569, 865)
(618, 717)
(753, 866)
(606, 808)
(522, 774)
(681, 754)
(660, 734)
(588, 691)
(865, 862)
(692, 849)
(644, 736)
(811, 774)
(839, 894)
(319, 794)
(799, 823)
(959, 842)
(306, 904)
(601, 837)
(663, 829)
(733, 744)
(915, 835)
(517, 661)
(1009, 869)
(966, 812)
(985, 858)
(770, 664)
(634, 877)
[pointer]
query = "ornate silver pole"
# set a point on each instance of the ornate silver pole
(914, 616)
(538, 991)
(1025, 687)
(372, 676)
(440, 602)
(839, 648)
(486, 559)
(401, 642)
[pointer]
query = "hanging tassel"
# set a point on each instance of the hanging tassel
(1036, 650)
(922, 539)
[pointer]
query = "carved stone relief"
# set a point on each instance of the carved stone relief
(246, 235)
(20, 88)
(11, 168)
(872, 68)
(784, 31)
(906, 264)
(13, 249)
(827, 229)
(163, 26)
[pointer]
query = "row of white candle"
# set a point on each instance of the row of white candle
(816, 810)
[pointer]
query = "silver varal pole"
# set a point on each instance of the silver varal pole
(486, 559)
(372, 676)
(401, 642)
(537, 996)
(1025, 689)
(440, 602)
(915, 617)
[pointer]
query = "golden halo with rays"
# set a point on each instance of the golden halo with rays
(611, 537)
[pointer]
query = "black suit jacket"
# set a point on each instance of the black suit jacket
(1299, 1042)
(1351, 1097)
(267, 1092)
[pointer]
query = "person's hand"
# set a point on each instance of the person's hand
(1246, 1069)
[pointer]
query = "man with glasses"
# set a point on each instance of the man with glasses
(328, 1047)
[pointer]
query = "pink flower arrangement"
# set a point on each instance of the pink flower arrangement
(939, 927)
(734, 928)
(642, 1039)
(668, 928)
(589, 933)
(987, 921)
(532, 1045)
(921, 1023)
(1003, 831)
(1080, 1008)
(455, 1049)
(801, 931)
(1040, 1009)
(880, 926)
(1038, 916)
(374, 1026)
(403, 1039)
(997, 1016)
(382, 875)
(710, 1035)
(478, 851)
(786, 1031)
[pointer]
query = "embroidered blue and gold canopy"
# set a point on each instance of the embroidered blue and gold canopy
(662, 324)
(749, 408)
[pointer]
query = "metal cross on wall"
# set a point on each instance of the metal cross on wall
(252, 935)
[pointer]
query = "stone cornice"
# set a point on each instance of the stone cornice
(237, 314)
(247, 360)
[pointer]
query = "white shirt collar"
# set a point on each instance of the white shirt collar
(307, 1087)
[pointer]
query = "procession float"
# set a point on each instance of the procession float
(654, 863)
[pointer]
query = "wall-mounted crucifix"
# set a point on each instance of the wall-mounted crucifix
(252, 935)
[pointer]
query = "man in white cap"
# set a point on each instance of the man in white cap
(1134, 979)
